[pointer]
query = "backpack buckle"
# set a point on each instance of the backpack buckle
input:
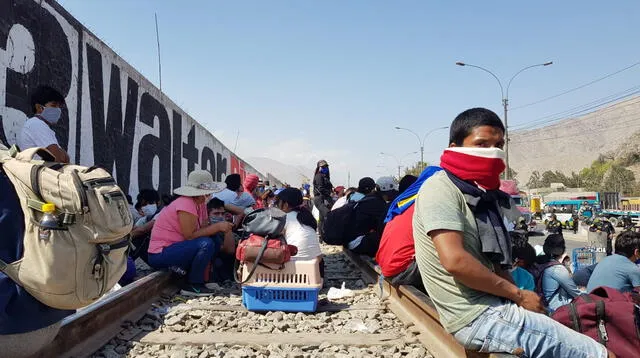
(104, 248)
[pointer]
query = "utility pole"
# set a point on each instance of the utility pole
(505, 104)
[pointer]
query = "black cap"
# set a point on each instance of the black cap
(366, 185)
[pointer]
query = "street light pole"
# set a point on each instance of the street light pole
(398, 161)
(505, 103)
(421, 141)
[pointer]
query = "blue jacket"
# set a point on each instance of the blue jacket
(558, 287)
(19, 311)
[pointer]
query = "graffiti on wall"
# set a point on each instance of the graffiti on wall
(114, 117)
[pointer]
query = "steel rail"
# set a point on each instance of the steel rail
(92, 327)
(413, 306)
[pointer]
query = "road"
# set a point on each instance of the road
(572, 240)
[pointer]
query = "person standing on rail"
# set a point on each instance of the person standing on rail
(463, 251)
(322, 189)
(47, 104)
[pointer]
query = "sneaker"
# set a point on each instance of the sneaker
(213, 286)
(196, 290)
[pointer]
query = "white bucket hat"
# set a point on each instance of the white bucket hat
(200, 182)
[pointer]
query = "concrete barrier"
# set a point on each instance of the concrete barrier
(116, 118)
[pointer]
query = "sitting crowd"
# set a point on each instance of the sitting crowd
(446, 232)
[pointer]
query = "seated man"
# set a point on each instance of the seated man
(462, 248)
(553, 279)
(231, 194)
(396, 255)
(47, 104)
(26, 324)
(388, 188)
(619, 270)
(222, 263)
(524, 256)
(368, 224)
(148, 201)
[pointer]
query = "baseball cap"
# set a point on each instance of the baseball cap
(387, 184)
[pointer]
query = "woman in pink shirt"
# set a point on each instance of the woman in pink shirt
(182, 236)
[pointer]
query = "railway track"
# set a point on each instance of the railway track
(148, 319)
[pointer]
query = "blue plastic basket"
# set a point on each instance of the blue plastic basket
(583, 257)
(280, 299)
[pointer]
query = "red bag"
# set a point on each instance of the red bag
(261, 250)
(267, 251)
(608, 316)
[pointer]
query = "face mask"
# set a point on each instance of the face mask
(51, 114)
(216, 219)
(324, 170)
(150, 209)
(480, 165)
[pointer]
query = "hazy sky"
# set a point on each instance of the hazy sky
(308, 80)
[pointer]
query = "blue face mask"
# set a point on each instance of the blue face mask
(51, 114)
(216, 219)
(324, 170)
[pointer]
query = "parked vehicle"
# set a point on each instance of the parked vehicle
(511, 187)
(618, 209)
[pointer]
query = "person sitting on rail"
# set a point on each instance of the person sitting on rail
(231, 194)
(26, 324)
(223, 263)
(388, 189)
(556, 284)
(396, 254)
(148, 201)
(344, 199)
(300, 228)
(366, 186)
(462, 250)
(619, 270)
(524, 257)
(181, 235)
(368, 221)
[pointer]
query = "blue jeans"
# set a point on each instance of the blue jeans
(191, 255)
(506, 327)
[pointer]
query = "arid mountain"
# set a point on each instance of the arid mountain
(575, 143)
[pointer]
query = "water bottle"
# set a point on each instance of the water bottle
(48, 221)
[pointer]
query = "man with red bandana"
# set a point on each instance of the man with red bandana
(463, 251)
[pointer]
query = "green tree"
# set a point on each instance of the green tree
(592, 176)
(535, 180)
(619, 179)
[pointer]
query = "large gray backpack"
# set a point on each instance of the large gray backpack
(85, 255)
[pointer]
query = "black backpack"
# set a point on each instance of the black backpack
(339, 224)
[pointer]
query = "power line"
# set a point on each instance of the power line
(576, 88)
(626, 125)
(581, 109)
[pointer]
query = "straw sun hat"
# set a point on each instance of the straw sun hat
(200, 182)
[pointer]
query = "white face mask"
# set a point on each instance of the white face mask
(150, 209)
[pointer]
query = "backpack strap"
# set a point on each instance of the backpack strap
(575, 319)
(236, 265)
(28, 154)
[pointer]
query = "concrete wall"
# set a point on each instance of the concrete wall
(116, 118)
